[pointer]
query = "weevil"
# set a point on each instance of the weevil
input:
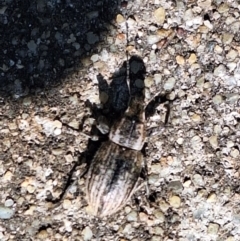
(115, 169)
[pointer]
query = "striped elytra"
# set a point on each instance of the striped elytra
(112, 178)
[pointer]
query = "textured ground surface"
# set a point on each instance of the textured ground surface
(190, 50)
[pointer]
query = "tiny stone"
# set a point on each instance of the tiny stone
(87, 233)
(27, 101)
(9, 203)
(159, 216)
(218, 49)
(212, 198)
(7, 177)
(156, 168)
(157, 238)
(231, 55)
(196, 118)
(159, 15)
(157, 79)
(164, 206)
(223, 8)
(227, 38)
(187, 183)
(192, 59)
(132, 216)
(92, 38)
(217, 129)
(180, 140)
(208, 24)
(76, 46)
(143, 217)
(32, 46)
(153, 39)
(12, 126)
(57, 132)
(217, 99)
(213, 142)
(175, 201)
(148, 81)
(232, 98)
(30, 188)
(128, 229)
(220, 71)
(67, 204)
(120, 19)
(198, 180)
(157, 231)
(57, 124)
(169, 84)
(5, 212)
(234, 153)
(180, 60)
(175, 186)
(57, 152)
(153, 179)
(94, 58)
(74, 124)
(43, 234)
(213, 228)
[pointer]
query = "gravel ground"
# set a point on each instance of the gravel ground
(52, 51)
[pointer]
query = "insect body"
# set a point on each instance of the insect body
(114, 172)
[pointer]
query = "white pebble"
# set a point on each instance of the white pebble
(6, 213)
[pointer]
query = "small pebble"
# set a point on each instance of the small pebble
(158, 231)
(213, 228)
(153, 39)
(27, 101)
(213, 142)
(175, 201)
(232, 98)
(143, 217)
(192, 59)
(175, 186)
(9, 203)
(223, 8)
(217, 99)
(169, 84)
(43, 234)
(234, 153)
(227, 38)
(132, 216)
(220, 71)
(198, 180)
(67, 204)
(31, 188)
(160, 218)
(180, 60)
(120, 19)
(212, 198)
(87, 233)
(57, 152)
(196, 118)
(159, 15)
(5, 212)
(164, 206)
(148, 81)
(157, 79)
